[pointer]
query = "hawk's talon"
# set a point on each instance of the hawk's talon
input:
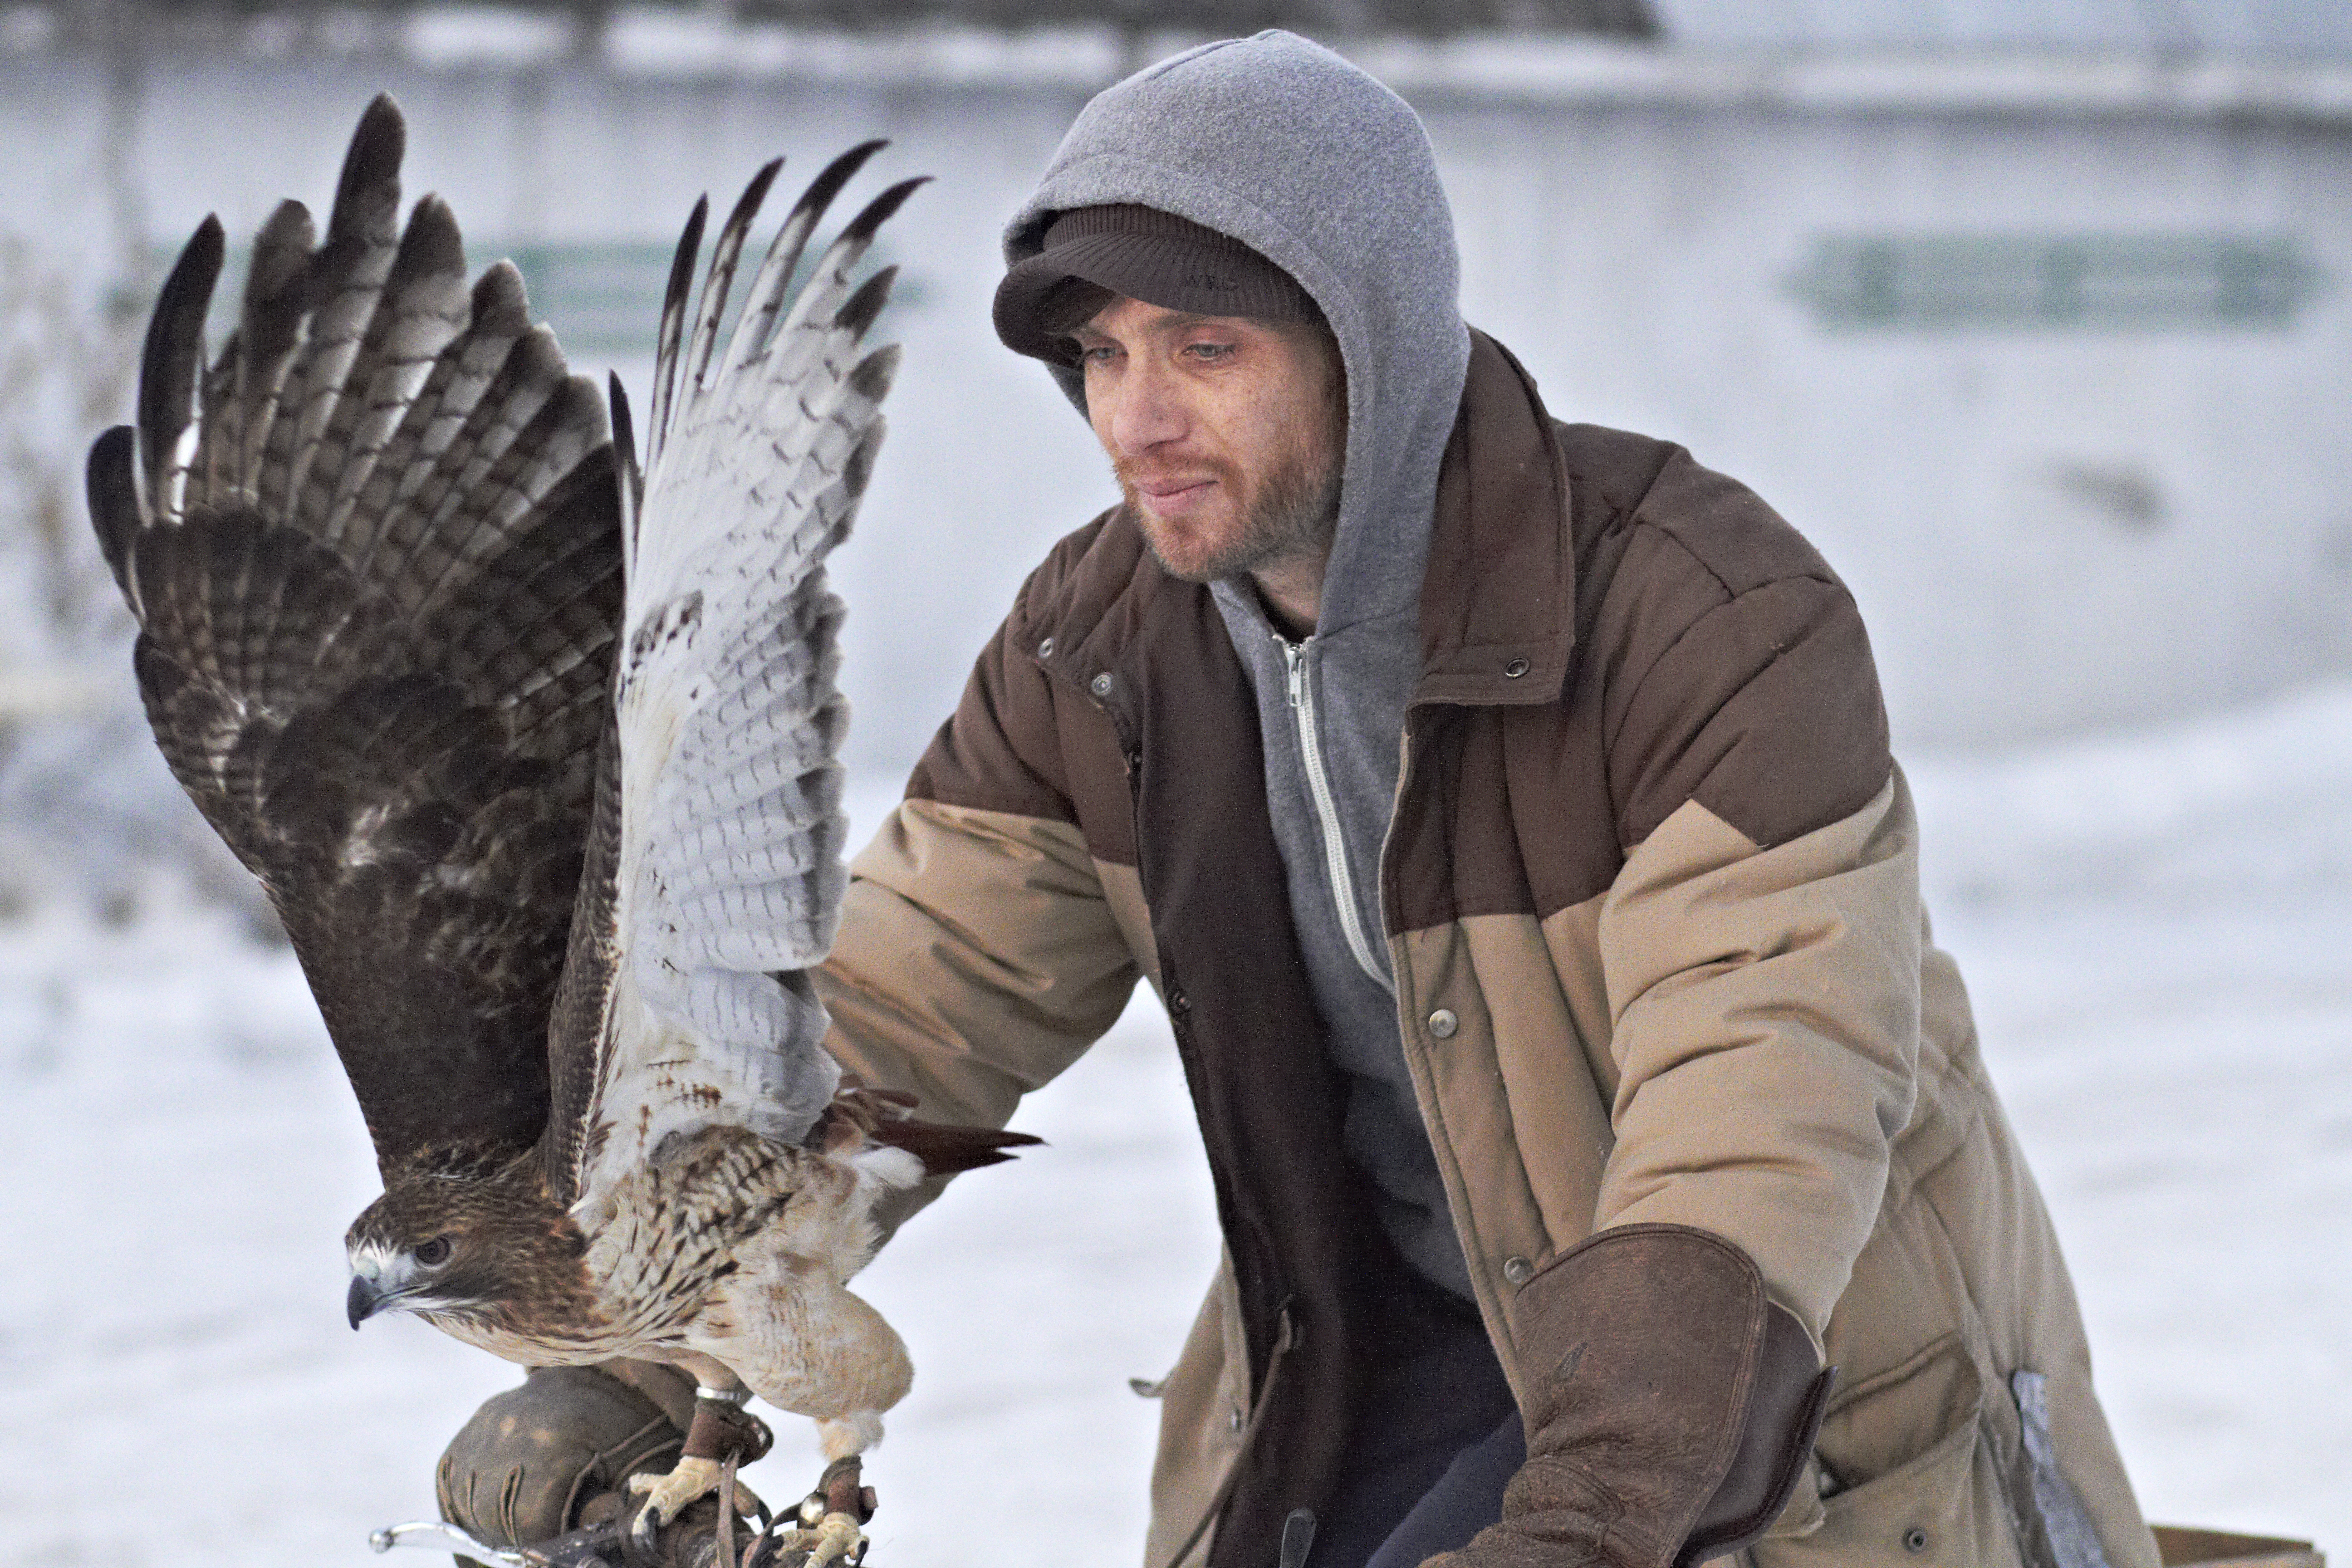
(831, 1538)
(667, 1495)
(833, 1518)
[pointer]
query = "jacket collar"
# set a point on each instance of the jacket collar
(1499, 601)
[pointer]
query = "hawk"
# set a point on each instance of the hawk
(532, 745)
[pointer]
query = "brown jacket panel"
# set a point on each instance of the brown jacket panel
(1112, 696)
(1755, 713)
(1667, 639)
(1652, 900)
(1011, 745)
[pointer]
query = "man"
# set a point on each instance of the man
(1503, 811)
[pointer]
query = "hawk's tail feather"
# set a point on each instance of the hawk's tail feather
(945, 1150)
(861, 1115)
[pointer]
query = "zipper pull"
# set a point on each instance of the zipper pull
(1297, 1539)
(1294, 659)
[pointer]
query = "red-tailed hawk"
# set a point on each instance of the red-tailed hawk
(534, 747)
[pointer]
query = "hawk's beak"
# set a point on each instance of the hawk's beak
(362, 1303)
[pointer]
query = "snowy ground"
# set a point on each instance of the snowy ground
(2153, 927)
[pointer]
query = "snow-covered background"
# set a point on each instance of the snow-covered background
(2154, 926)
(2049, 532)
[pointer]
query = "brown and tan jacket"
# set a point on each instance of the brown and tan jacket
(1651, 892)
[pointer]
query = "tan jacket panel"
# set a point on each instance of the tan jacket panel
(1766, 1020)
(1203, 1407)
(1866, 1161)
(1519, 1131)
(1463, 1102)
(1985, 1202)
(979, 955)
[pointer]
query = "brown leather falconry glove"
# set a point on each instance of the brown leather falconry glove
(556, 1452)
(1670, 1407)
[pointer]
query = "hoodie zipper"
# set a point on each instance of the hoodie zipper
(1297, 665)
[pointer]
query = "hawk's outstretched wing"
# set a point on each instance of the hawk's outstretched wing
(374, 553)
(715, 869)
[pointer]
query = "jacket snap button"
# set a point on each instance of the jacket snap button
(1443, 1023)
(1178, 1002)
(1915, 1540)
(1515, 669)
(1046, 648)
(1101, 684)
(1518, 1271)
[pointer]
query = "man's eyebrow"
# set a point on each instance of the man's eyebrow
(1174, 322)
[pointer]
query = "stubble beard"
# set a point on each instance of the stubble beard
(1290, 513)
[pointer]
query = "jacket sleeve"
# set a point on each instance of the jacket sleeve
(977, 959)
(1760, 944)
(978, 954)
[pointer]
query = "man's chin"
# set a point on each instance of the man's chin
(1185, 553)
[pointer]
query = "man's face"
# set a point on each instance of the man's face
(1226, 434)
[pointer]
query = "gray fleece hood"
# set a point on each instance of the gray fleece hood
(1285, 146)
(1289, 149)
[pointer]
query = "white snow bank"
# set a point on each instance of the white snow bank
(2225, 805)
(176, 1383)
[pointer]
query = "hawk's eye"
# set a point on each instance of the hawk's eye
(434, 1253)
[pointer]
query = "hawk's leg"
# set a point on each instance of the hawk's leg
(832, 1518)
(722, 1430)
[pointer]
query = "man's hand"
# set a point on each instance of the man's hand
(1672, 1407)
(557, 1453)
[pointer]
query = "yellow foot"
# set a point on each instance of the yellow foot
(826, 1539)
(667, 1495)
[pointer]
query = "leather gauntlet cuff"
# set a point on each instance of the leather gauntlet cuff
(1671, 1404)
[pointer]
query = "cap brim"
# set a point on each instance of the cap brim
(1127, 264)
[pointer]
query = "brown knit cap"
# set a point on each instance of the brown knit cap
(1144, 253)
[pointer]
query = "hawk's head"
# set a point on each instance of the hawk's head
(458, 1248)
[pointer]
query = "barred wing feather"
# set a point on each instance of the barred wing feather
(374, 551)
(715, 874)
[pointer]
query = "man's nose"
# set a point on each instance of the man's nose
(1145, 413)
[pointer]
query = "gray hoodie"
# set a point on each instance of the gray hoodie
(1284, 146)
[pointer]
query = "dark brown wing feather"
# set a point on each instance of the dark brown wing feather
(378, 590)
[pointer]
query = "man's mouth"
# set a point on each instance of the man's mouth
(1170, 495)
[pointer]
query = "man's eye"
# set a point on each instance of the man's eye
(1208, 351)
